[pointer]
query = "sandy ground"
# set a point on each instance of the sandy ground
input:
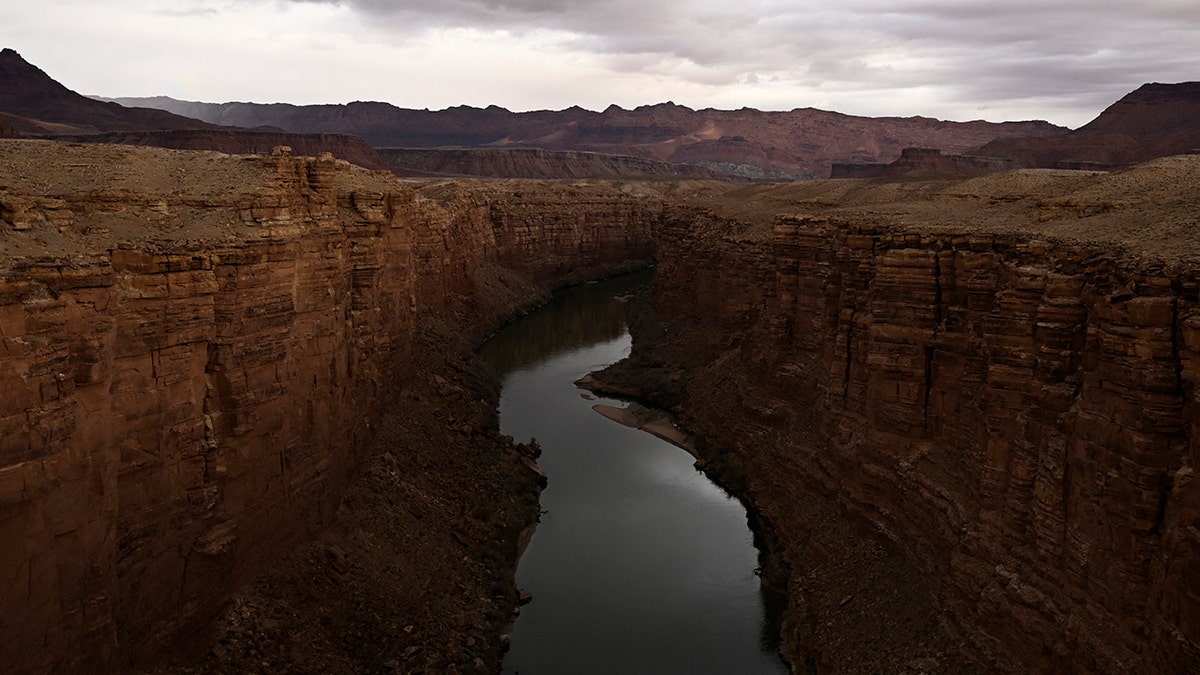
(654, 422)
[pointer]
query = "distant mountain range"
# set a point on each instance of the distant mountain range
(31, 102)
(1155, 120)
(744, 143)
(659, 140)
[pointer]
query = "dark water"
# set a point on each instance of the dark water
(640, 564)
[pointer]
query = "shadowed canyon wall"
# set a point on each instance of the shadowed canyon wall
(185, 403)
(1012, 414)
(963, 410)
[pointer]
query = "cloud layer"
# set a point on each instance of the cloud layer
(956, 59)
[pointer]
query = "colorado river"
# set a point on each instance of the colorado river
(640, 564)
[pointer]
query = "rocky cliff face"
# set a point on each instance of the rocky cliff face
(992, 424)
(193, 350)
(962, 409)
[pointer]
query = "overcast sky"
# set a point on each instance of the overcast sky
(1060, 60)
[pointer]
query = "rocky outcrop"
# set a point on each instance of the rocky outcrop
(991, 425)
(193, 367)
(961, 409)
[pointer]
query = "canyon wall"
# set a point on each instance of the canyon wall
(999, 428)
(191, 366)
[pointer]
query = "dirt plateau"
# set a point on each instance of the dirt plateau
(242, 428)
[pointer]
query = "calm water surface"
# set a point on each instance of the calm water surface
(640, 564)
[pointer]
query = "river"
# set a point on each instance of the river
(639, 564)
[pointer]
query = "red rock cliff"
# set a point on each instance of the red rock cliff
(191, 346)
(966, 409)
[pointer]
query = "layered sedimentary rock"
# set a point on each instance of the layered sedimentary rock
(962, 409)
(191, 350)
(984, 389)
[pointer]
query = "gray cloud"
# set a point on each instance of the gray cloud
(1080, 51)
(1062, 60)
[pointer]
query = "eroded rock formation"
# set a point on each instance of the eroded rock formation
(195, 348)
(962, 409)
(959, 400)
(245, 142)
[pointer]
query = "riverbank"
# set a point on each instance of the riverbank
(636, 416)
(624, 514)
(853, 602)
(442, 499)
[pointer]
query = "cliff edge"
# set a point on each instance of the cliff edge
(964, 410)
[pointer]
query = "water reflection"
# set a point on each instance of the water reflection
(640, 564)
(576, 317)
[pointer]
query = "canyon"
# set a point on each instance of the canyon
(243, 427)
(242, 414)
